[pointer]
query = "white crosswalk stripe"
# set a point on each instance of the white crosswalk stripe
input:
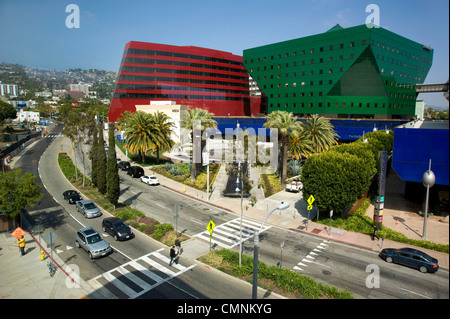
(137, 277)
(311, 257)
(227, 235)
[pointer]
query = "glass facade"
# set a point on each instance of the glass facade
(342, 73)
(213, 80)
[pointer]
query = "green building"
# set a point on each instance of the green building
(357, 72)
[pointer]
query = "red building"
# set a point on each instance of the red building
(209, 79)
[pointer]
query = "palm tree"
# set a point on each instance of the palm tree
(299, 145)
(321, 133)
(164, 127)
(187, 123)
(286, 124)
(141, 133)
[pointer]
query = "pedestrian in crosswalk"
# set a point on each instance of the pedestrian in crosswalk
(173, 254)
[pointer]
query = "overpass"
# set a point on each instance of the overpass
(432, 87)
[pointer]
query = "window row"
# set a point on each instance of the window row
(179, 63)
(350, 44)
(150, 70)
(320, 93)
(146, 87)
(303, 62)
(176, 96)
(336, 104)
(401, 52)
(143, 78)
(179, 55)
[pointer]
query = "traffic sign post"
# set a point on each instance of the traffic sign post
(310, 201)
(210, 228)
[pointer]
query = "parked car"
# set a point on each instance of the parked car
(150, 179)
(71, 196)
(88, 208)
(123, 165)
(91, 241)
(135, 171)
(117, 228)
(410, 257)
(295, 186)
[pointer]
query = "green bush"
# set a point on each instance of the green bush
(161, 230)
(128, 213)
(285, 279)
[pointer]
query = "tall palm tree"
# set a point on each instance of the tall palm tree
(164, 127)
(299, 145)
(206, 122)
(141, 133)
(286, 124)
(321, 133)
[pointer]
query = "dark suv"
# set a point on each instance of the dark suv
(135, 171)
(123, 165)
(117, 228)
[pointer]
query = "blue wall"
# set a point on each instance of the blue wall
(413, 148)
(346, 129)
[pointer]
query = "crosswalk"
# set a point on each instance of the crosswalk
(310, 258)
(227, 235)
(136, 277)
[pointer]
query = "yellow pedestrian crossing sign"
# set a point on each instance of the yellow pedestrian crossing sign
(210, 227)
(311, 200)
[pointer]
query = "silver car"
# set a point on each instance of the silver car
(91, 241)
(88, 208)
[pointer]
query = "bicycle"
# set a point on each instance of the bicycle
(51, 268)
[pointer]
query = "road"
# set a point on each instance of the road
(131, 260)
(332, 263)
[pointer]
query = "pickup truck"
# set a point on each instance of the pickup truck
(294, 186)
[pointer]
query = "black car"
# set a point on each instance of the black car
(135, 171)
(117, 228)
(123, 165)
(72, 196)
(410, 257)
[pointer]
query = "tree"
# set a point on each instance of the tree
(206, 122)
(164, 127)
(286, 124)
(320, 132)
(299, 145)
(336, 180)
(7, 111)
(101, 163)
(112, 171)
(140, 133)
(93, 156)
(17, 191)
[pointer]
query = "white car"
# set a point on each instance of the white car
(294, 186)
(150, 180)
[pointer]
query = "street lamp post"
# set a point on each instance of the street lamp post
(281, 206)
(428, 180)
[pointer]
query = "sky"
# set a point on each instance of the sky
(36, 33)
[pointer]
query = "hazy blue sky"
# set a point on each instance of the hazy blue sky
(34, 33)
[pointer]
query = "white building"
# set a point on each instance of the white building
(11, 89)
(27, 116)
(174, 112)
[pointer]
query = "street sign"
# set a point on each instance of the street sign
(50, 237)
(210, 227)
(311, 200)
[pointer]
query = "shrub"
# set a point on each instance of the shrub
(161, 230)
(128, 213)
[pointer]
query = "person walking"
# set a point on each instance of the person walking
(375, 233)
(178, 245)
(21, 242)
(173, 254)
